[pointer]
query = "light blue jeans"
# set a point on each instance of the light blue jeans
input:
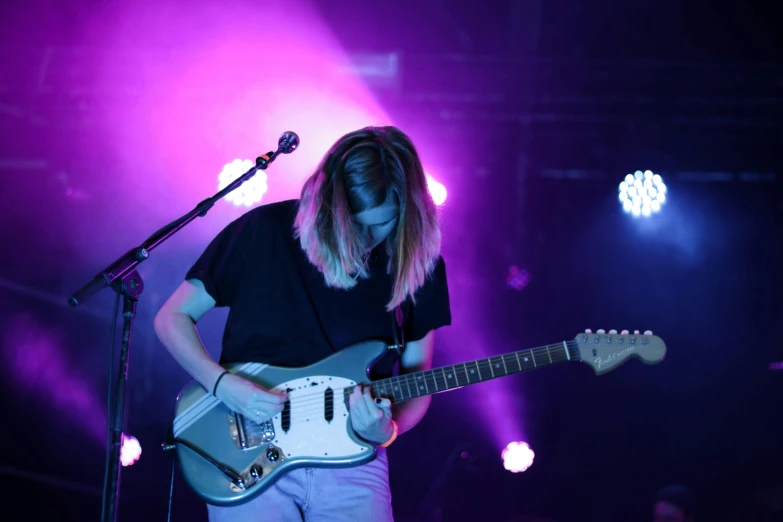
(319, 495)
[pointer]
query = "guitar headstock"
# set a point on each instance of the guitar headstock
(606, 351)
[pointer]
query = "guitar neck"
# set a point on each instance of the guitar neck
(427, 382)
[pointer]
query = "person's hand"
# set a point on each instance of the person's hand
(249, 399)
(370, 418)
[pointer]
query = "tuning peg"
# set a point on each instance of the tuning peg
(624, 332)
(588, 331)
(601, 331)
(612, 332)
(636, 332)
(648, 332)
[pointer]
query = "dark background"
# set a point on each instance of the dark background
(541, 108)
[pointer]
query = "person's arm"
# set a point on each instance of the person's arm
(175, 325)
(372, 417)
(417, 356)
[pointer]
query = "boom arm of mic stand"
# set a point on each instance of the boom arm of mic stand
(124, 265)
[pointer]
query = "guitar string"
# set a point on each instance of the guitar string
(313, 403)
(315, 408)
(405, 380)
(483, 364)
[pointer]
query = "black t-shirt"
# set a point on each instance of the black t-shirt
(280, 310)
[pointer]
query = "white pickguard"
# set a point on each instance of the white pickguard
(310, 435)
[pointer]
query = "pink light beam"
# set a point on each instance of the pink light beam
(34, 356)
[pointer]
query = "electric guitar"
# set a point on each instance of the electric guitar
(228, 459)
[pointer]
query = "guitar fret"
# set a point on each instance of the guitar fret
(453, 380)
(412, 384)
(429, 381)
(442, 377)
(411, 389)
(395, 387)
(434, 376)
(506, 366)
(453, 371)
(465, 380)
(549, 354)
(446, 383)
(415, 385)
(495, 362)
(526, 359)
(515, 358)
(403, 388)
(419, 379)
(468, 373)
(390, 387)
(475, 363)
(561, 354)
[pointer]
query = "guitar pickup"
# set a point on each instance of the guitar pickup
(285, 416)
(329, 405)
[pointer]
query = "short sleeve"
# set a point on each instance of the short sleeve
(221, 267)
(432, 308)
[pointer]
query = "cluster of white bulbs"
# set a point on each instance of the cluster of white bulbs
(251, 191)
(642, 193)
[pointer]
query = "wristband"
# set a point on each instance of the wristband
(214, 388)
(393, 437)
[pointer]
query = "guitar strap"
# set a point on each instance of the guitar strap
(398, 330)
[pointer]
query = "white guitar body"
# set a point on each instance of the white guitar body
(313, 432)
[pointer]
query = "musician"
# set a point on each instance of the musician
(304, 278)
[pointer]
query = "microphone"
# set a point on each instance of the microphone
(288, 142)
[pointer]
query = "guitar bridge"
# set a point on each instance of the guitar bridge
(248, 434)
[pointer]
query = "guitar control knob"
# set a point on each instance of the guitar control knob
(256, 472)
(272, 455)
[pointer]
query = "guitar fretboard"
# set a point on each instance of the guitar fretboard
(403, 387)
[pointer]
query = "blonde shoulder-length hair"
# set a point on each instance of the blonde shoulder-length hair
(361, 171)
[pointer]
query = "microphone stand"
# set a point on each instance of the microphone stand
(123, 278)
